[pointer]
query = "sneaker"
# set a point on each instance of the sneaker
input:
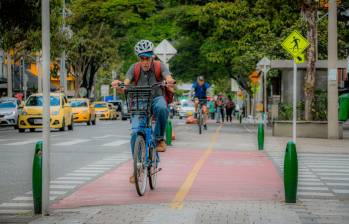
(161, 147)
(205, 126)
(132, 179)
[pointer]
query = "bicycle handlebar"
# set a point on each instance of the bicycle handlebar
(161, 84)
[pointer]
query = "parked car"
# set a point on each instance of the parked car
(186, 109)
(31, 115)
(9, 113)
(104, 110)
(83, 111)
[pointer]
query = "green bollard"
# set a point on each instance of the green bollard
(240, 118)
(37, 178)
(291, 173)
(169, 133)
(260, 136)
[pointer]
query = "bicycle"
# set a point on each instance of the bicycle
(199, 114)
(145, 157)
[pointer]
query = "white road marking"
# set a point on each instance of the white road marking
(22, 142)
(62, 186)
(116, 143)
(333, 174)
(341, 191)
(337, 184)
(107, 136)
(311, 183)
(67, 182)
(313, 188)
(23, 199)
(82, 174)
(333, 170)
(95, 168)
(58, 192)
(329, 166)
(15, 211)
(303, 193)
(311, 179)
(15, 204)
(100, 165)
(6, 140)
(334, 178)
(72, 142)
(74, 178)
(30, 198)
(89, 171)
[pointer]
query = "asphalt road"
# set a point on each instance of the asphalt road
(70, 150)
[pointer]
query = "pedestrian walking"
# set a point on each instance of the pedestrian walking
(212, 108)
(219, 109)
(229, 108)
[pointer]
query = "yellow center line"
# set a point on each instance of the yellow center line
(178, 200)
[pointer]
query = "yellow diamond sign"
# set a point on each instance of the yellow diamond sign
(295, 44)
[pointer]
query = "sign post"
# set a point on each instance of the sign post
(264, 65)
(295, 44)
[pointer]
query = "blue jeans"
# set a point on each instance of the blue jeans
(160, 112)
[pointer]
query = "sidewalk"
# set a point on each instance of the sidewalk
(222, 180)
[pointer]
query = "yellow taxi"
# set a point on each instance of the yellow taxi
(104, 110)
(31, 114)
(83, 111)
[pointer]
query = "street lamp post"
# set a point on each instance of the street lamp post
(1, 63)
(63, 73)
(45, 20)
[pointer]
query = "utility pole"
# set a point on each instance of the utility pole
(38, 68)
(63, 73)
(1, 64)
(45, 21)
(332, 83)
(24, 79)
(9, 74)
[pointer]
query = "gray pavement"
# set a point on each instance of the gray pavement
(323, 191)
(88, 150)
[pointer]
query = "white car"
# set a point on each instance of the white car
(186, 108)
(9, 112)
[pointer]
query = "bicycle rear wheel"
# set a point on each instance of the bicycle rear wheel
(153, 168)
(139, 168)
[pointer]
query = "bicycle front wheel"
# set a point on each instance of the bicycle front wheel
(199, 120)
(139, 167)
(153, 168)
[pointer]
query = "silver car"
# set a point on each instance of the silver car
(9, 112)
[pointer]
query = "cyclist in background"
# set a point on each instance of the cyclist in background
(199, 88)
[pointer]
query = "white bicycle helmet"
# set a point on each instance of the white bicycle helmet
(145, 47)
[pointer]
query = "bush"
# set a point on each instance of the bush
(319, 106)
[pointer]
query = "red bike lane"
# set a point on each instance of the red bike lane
(224, 175)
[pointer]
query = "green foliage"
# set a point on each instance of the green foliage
(319, 106)
(285, 112)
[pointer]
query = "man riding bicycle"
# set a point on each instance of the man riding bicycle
(199, 88)
(143, 73)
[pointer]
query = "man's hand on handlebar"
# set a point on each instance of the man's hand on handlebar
(117, 85)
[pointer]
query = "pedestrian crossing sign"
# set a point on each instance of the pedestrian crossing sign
(295, 44)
